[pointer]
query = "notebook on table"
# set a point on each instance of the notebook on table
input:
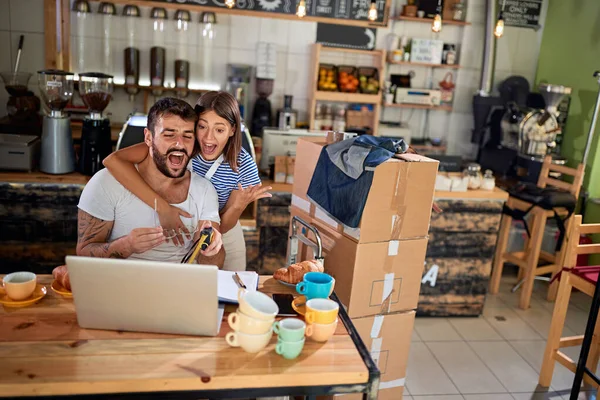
(227, 286)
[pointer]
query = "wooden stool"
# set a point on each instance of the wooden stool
(584, 279)
(527, 260)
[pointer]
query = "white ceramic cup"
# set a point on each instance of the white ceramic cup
(250, 343)
(257, 305)
(421, 14)
(19, 285)
(238, 321)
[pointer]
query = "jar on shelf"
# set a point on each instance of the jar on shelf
(327, 120)
(473, 172)
(318, 116)
(339, 121)
(458, 11)
(488, 182)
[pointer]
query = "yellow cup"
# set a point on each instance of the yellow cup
(19, 285)
(320, 332)
(238, 321)
(321, 311)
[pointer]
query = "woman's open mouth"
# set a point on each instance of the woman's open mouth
(209, 149)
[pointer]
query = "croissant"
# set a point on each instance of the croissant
(295, 272)
(61, 275)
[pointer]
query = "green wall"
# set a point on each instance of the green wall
(569, 55)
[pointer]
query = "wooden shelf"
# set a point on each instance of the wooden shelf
(347, 97)
(430, 20)
(354, 51)
(417, 64)
(419, 106)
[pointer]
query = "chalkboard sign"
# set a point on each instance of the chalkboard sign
(343, 11)
(349, 37)
(522, 13)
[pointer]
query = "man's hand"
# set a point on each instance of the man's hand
(217, 240)
(93, 234)
(141, 240)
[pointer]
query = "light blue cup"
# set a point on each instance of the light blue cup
(316, 285)
(289, 350)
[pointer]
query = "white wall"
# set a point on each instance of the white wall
(236, 42)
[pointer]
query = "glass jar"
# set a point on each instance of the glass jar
(339, 121)
(458, 12)
(489, 182)
(473, 172)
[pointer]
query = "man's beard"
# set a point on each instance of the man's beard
(160, 160)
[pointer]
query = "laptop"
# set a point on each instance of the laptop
(145, 296)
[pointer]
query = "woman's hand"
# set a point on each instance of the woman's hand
(173, 226)
(241, 197)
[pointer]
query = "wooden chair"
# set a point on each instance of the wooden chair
(584, 279)
(528, 260)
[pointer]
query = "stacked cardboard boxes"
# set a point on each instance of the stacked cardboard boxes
(377, 266)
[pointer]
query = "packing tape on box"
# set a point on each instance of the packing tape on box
(386, 295)
(398, 201)
(392, 384)
(376, 326)
(302, 204)
(376, 350)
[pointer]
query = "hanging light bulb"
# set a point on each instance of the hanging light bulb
(499, 29)
(436, 25)
(301, 9)
(373, 11)
(230, 3)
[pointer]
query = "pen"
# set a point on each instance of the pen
(239, 280)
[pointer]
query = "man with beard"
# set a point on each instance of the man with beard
(112, 222)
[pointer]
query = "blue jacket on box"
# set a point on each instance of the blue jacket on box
(344, 173)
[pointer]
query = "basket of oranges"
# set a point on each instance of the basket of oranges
(327, 78)
(347, 79)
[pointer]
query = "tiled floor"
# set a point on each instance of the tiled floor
(494, 357)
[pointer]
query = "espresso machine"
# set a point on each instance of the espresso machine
(57, 154)
(95, 90)
(533, 132)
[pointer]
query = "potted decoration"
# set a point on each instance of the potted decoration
(410, 9)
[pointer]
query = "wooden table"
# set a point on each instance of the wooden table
(43, 352)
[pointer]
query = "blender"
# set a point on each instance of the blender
(56, 90)
(95, 90)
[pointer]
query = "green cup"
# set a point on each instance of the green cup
(290, 329)
(289, 350)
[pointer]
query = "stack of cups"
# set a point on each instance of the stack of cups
(321, 312)
(252, 324)
(291, 337)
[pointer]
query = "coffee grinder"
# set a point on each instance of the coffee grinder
(57, 155)
(95, 90)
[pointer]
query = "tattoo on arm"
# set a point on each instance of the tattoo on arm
(92, 236)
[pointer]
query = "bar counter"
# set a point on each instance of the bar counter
(38, 218)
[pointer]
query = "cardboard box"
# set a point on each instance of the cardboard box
(290, 163)
(280, 173)
(370, 278)
(388, 339)
(398, 205)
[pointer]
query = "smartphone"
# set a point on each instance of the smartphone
(284, 302)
